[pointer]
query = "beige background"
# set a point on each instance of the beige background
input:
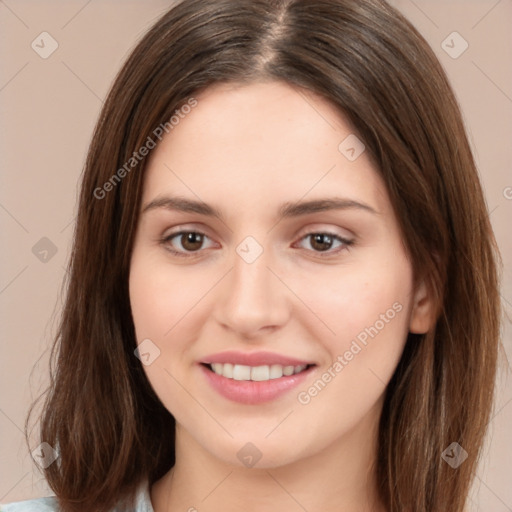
(48, 108)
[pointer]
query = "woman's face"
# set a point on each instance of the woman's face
(299, 290)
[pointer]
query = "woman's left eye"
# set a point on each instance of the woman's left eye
(323, 242)
(192, 242)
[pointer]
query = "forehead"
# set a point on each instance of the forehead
(253, 145)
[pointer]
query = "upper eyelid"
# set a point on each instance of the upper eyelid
(311, 231)
(330, 230)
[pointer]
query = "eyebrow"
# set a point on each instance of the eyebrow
(287, 210)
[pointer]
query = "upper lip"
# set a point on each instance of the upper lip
(254, 359)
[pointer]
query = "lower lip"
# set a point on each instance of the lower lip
(254, 392)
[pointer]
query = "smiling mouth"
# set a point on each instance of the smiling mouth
(261, 373)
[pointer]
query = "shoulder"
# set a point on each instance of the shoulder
(36, 505)
(50, 504)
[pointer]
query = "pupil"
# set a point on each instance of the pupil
(323, 240)
(192, 241)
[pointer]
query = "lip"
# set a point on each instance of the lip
(251, 392)
(254, 392)
(254, 359)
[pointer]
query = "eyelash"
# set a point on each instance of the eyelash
(323, 254)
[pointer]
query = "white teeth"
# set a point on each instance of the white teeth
(217, 367)
(227, 370)
(288, 370)
(241, 372)
(260, 373)
(276, 371)
(255, 373)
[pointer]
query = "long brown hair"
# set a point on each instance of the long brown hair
(110, 429)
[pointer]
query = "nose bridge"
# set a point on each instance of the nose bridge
(254, 298)
(251, 278)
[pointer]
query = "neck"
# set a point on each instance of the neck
(339, 477)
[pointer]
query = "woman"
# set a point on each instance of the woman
(283, 291)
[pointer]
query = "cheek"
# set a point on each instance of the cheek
(364, 311)
(170, 307)
(162, 299)
(162, 295)
(350, 301)
(368, 310)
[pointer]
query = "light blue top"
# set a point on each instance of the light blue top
(142, 504)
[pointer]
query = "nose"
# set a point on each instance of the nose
(253, 300)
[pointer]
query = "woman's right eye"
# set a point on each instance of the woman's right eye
(190, 241)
